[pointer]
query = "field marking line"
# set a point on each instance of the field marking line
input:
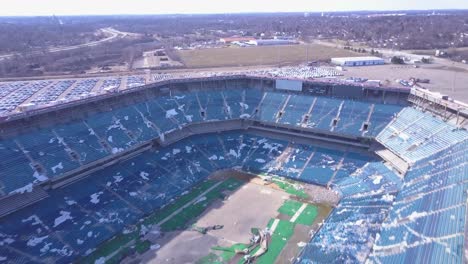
(274, 225)
(298, 213)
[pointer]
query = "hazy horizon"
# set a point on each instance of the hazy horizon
(156, 7)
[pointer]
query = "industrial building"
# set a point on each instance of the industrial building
(358, 61)
(235, 39)
(272, 42)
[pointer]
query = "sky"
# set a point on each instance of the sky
(109, 7)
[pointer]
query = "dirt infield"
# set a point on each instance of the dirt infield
(239, 202)
(265, 55)
(252, 205)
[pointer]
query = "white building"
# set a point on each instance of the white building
(272, 42)
(358, 61)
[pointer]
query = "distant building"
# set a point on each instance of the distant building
(358, 61)
(272, 42)
(235, 39)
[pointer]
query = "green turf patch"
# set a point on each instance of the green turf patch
(113, 245)
(283, 232)
(291, 189)
(290, 207)
(227, 253)
(308, 216)
(142, 246)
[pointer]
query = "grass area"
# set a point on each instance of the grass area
(280, 237)
(125, 244)
(291, 189)
(263, 55)
(308, 216)
(227, 253)
(142, 246)
(290, 207)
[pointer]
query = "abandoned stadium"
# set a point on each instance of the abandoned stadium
(92, 180)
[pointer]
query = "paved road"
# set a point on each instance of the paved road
(112, 33)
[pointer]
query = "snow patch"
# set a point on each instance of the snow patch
(171, 113)
(175, 151)
(6, 241)
(387, 197)
(24, 189)
(118, 179)
(101, 260)
(69, 202)
(377, 179)
(214, 157)
(64, 216)
(32, 242)
(201, 199)
(144, 175)
(155, 247)
(414, 215)
(34, 218)
(404, 136)
(39, 177)
(260, 160)
(56, 167)
(233, 153)
(117, 150)
(95, 197)
(301, 244)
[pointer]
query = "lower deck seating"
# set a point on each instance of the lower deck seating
(348, 233)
